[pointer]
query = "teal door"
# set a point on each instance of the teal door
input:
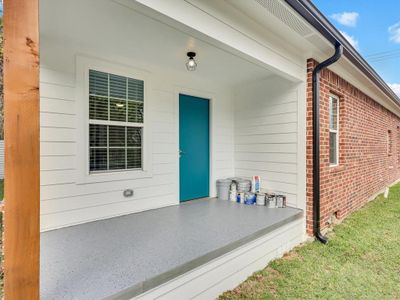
(194, 145)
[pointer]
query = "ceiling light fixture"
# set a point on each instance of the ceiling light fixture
(191, 63)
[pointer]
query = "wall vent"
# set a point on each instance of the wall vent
(280, 11)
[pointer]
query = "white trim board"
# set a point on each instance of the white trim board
(180, 90)
(83, 64)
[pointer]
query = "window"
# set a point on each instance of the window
(389, 143)
(116, 125)
(333, 130)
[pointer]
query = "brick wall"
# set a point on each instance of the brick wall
(365, 166)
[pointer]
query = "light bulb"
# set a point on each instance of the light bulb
(191, 63)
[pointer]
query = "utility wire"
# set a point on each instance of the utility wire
(383, 53)
(382, 56)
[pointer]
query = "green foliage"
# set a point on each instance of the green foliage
(361, 261)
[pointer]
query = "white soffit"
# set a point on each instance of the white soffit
(281, 12)
(290, 26)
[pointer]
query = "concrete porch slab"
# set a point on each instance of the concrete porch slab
(139, 251)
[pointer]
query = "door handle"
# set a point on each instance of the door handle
(181, 153)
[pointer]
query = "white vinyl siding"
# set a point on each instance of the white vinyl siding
(65, 200)
(266, 135)
(115, 122)
(333, 130)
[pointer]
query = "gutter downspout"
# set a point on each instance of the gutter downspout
(316, 143)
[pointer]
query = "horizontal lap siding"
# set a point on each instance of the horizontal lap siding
(65, 202)
(266, 135)
(92, 200)
(92, 213)
(222, 112)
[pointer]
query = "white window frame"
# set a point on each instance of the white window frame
(83, 65)
(331, 96)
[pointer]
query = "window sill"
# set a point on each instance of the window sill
(336, 168)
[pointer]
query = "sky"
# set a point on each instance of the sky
(373, 27)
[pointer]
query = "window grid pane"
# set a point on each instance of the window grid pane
(98, 83)
(115, 147)
(117, 110)
(134, 158)
(333, 130)
(98, 107)
(117, 159)
(98, 159)
(332, 148)
(115, 98)
(118, 86)
(117, 136)
(135, 89)
(134, 137)
(98, 135)
(135, 112)
(333, 114)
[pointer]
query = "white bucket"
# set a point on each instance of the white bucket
(223, 187)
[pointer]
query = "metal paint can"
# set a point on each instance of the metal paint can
(243, 185)
(250, 199)
(271, 201)
(280, 201)
(260, 200)
(233, 196)
(240, 197)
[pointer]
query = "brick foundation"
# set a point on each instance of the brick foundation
(367, 161)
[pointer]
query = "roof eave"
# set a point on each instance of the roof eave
(313, 16)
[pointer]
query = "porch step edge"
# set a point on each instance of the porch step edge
(163, 278)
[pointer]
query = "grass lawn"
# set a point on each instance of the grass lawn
(361, 261)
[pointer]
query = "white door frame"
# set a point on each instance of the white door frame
(205, 95)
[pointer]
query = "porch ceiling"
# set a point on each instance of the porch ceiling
(140, 251)
(126, 34)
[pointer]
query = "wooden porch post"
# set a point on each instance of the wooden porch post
(21, 134)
